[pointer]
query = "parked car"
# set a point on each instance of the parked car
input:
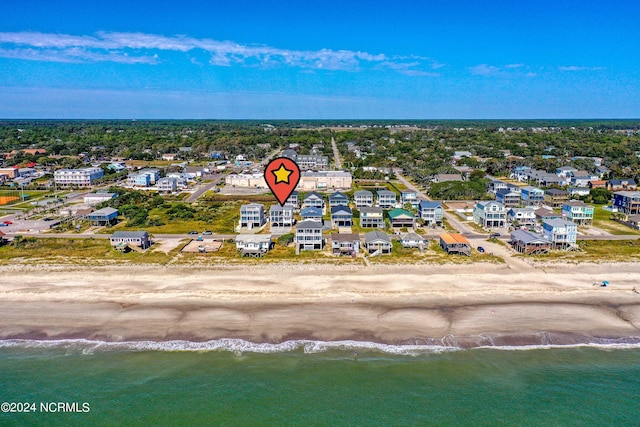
(480, 249)
(2, 224)
(207, 232)
(193, 232)
(8, 222)
(494, 235)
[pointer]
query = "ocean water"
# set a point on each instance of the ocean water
(232, 383)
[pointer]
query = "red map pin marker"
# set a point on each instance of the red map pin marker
(282, 175)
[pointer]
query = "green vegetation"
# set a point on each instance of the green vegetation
(603, 220)
(74, 251)
(460, 190)
(598, 251)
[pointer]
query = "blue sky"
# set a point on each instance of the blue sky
(319, 60)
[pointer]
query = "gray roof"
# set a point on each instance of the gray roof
(372, 236)
(104, 211)
(412, 237)
(558, 222)
(129, 234)
(311, 211)
(363, 193)
(278, 208)
(527, 237)
(371, 209)
(386, 193)
(253, 238)
(309, 224)
(338, 195)
(348, 237)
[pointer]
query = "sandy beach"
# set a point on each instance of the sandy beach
(461, 305)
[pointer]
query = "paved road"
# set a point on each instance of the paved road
(336, 154)
(202, 188)
(451, 218)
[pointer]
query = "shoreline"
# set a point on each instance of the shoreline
(457, 306)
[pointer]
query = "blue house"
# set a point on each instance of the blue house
(532, 195)
(430, 212)
(103, 216)
(560, 232)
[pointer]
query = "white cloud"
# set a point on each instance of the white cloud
(484, 70)
(144, 48)
(578, 68)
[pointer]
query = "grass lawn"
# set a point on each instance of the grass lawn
(598, 251)
(601, 220)
(76, 251)
(433, 255)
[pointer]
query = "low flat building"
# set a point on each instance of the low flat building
(104, 216)
(122, 240)
(85, 177)
(325, 180)
(249, 180)
(528, 243)
(97, 198)
(377, 242)
(253, 245)
(413, 240)
(456, 244)
(345, 244)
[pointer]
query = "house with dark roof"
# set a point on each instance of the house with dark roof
(345, 244)
(543, 214)
(341, 216)
(371, 217)
(508, 197)
(311, 214)
(555, 198)
(626, 184)
(377, 242)
(430, 212)
(528, 243)
(401, 218)
(337, 199)
(314, 200)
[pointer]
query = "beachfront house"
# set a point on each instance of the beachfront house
(253, 245)
(311, 214)
(386, 199)
(377, 243)
(104, 216)
(401, 218)
(457, 244)
(528, 243)
(309, 236)
(578, 212)
(532, 195)
(341, 216)
(627, 202)
(524, 217)
(314, 200)
(490, 214)
(371, 217)
(555, 198)
(430, 213)
(292, 200)
(252, 216)
(560, 232)
(281, 216)
(413, 240)
(363, 198)
(337, 199)
(125, 240)
(345, 244)
(409, 197)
